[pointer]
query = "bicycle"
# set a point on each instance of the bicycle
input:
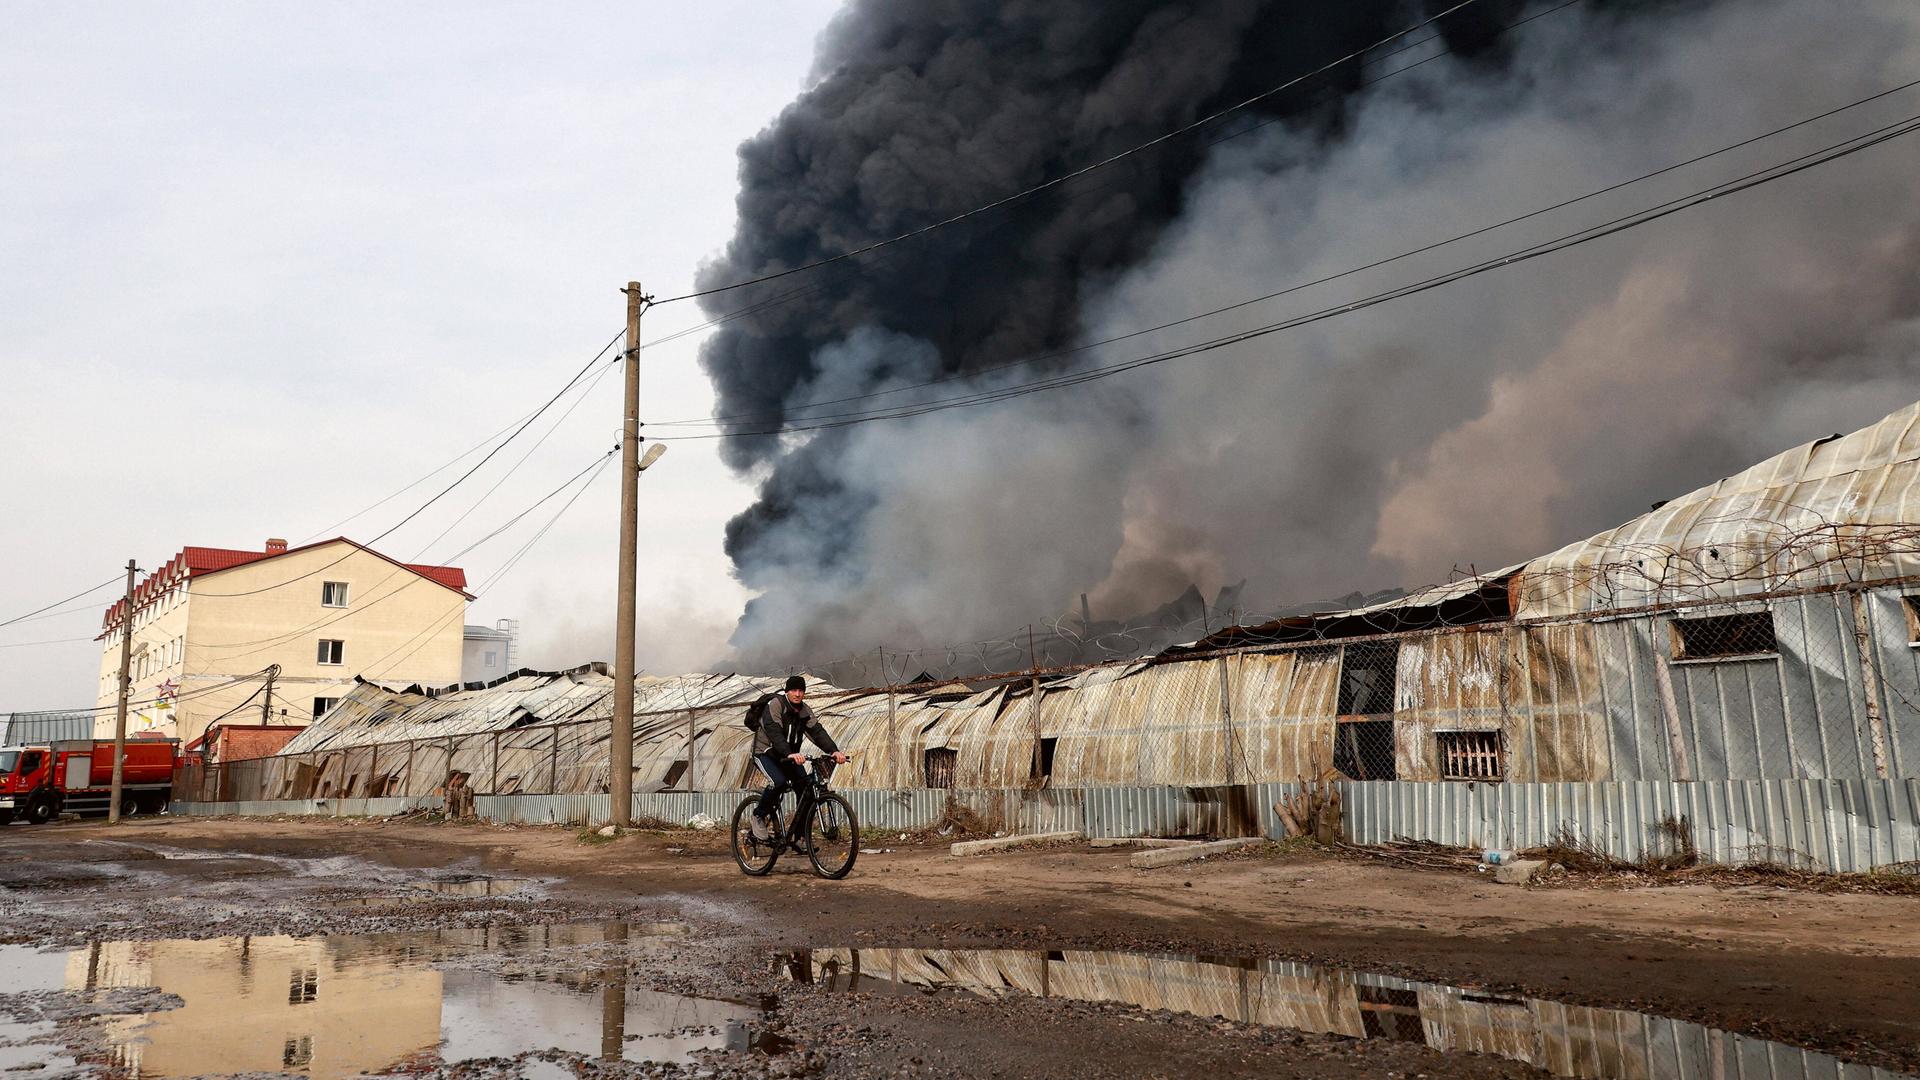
(822, 826)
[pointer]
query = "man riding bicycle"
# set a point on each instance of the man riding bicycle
(785, 720)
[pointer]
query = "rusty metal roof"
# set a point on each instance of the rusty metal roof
(1833, 510)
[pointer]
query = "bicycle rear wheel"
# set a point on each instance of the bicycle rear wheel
(755, 857)
(833, 837)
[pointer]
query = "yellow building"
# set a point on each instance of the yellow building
(262, 1005)
(211, 620)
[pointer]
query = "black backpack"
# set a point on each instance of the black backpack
(758, 710)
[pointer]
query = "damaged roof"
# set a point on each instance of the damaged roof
(1834, 510)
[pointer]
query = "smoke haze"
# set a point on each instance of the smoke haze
(1480, 423)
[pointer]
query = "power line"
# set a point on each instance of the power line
(853, 269)
(1083, 170)
(496, 577)
(1298, 287)
(585, 395)
(290, 636)
(1757, 178)
(49, 641)
(84, 592)
(442, 493)
(185, 695)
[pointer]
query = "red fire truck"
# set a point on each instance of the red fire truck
(39, 783)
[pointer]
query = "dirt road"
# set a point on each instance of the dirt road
(1828, 973)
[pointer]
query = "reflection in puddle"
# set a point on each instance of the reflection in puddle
(1566, 1040)
(424, 892)
(471, 886)
(342, 1006)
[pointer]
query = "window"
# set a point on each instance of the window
(1367, 672)
(1912, 605)
(1363, 749)
(333, 594)
(332, 651)
(322, 704)
(674, 772)
(1046, 758)
(491, 657)
(940, 764)
(1744, 635)
(303, 985)
(1471, 755)
(298, 1053)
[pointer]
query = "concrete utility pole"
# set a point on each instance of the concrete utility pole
(620, 753)
(266, 700)
(120, 707)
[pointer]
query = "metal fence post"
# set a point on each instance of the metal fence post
(690, 760)
(494, 787)
(1869, 681)
(893, 725)
(373, 772)
(409, 763)
(553, 763)
(1669, 705)
(1033, 657)
(1226, 718)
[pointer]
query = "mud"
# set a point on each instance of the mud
(1272, 962)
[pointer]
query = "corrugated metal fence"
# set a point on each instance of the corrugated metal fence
(1832, 825)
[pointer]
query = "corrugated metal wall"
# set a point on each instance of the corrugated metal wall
(1805, 752)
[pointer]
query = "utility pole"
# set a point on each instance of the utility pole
(266, 700)
(120, 707)
(620, 752)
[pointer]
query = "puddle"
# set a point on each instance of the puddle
(28, 1048)
(347, 1005)
(472, 886)
(1565, 1040)
(423, 892)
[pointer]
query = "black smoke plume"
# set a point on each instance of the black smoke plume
(1479, 424)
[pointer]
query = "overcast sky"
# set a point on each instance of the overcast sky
(266, 263)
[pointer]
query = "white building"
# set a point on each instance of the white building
(490, 652)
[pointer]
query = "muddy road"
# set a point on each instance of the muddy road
(343, 948)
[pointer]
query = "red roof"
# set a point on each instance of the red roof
(195, 562)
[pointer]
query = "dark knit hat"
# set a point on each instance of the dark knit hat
(795, 682)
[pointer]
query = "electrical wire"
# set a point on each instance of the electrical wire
(1755, 179)
(442, 493)
(1298, 287)
(261, 644)
(585, 395)
(184, 695)
(84, 592)
(492, 580)
(1083, 170)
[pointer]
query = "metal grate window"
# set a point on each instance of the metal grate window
(1472, 755)
(1743, 634)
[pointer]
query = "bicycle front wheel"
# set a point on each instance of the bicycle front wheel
(756, 857)
(833, 837)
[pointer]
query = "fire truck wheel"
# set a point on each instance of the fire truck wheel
(129, 805)
(39, 810)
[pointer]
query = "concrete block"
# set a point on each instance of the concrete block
(1519, 871)
(1147, 860)
(1138, 841)
(1003, 843)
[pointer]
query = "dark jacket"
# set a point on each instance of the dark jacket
(783, 724)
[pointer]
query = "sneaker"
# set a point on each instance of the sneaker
(760, 828)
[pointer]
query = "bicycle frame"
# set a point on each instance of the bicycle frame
(805, 796)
